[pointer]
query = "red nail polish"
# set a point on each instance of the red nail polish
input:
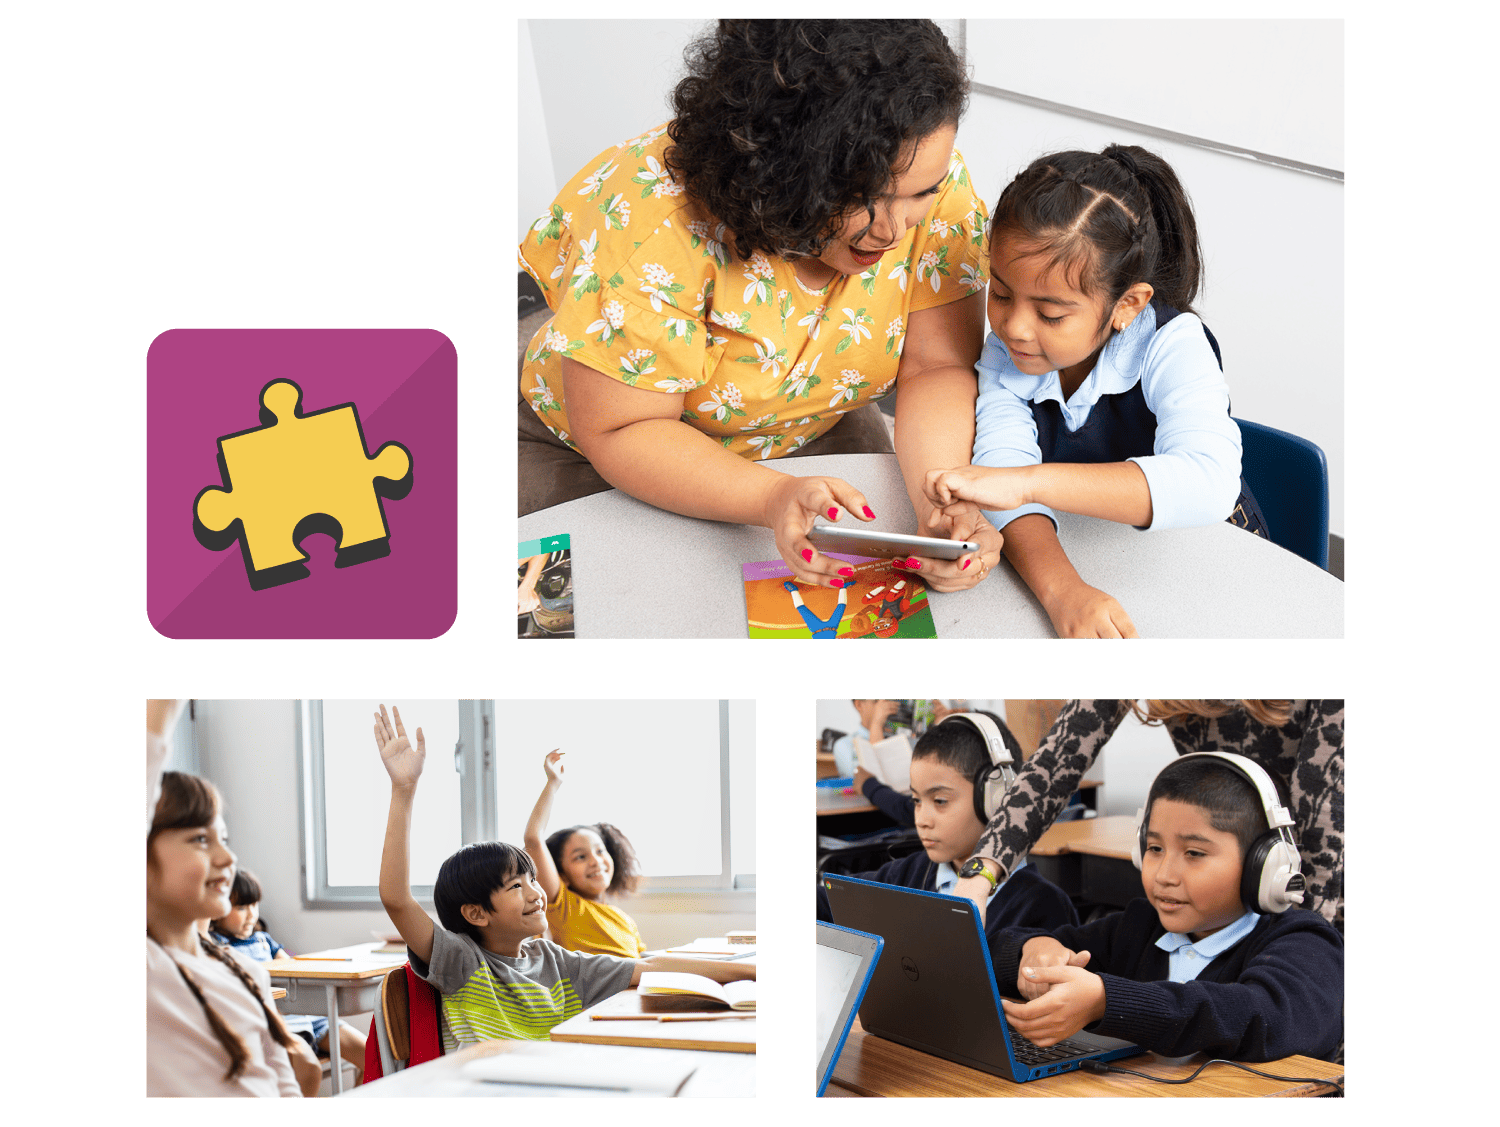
(807, 554)
(868, 513)
(898, 563)
(914, 562)
(833, 513)
(967, 562)
(846, 571)
(836, 582)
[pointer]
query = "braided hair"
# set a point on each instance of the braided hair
(1111, 219)
(186, 802)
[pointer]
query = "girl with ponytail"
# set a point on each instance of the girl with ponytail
(211, 1029)
(1100, 390)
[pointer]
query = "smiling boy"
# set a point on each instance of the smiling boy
(498, 976)
(944, 764)
(1208, 961)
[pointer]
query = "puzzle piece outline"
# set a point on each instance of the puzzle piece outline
(384, 489)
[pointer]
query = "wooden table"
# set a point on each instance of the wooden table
(723, 1035)
(717, 1074)
(873, 1066)
(1213, 582)
(1090, 859)
(351, 976)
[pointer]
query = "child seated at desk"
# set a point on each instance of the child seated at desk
(498, 976)
(949, 768)
(1215, 959)
(242, 930)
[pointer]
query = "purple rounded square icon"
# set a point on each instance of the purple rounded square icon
(301, 483)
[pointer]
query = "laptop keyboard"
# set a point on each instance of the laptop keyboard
(1029, 1053)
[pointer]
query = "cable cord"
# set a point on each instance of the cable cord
(1101, 1067)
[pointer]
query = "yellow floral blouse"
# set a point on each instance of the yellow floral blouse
(644, 288)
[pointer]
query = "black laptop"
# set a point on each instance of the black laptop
(934, 988)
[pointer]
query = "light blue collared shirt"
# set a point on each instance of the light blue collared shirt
(1194, 471)
(844, 758)
(1188, 958)
(945, 876)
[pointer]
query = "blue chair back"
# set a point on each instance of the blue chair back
(1289, 477)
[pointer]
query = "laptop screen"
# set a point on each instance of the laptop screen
(846, 960)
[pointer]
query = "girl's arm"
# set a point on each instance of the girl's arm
(404, 765)
(536, 828)
(1076, 609)
(935, 430)
(708, 968)
(1115, 491)
(637, 441)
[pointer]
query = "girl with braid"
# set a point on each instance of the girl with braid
(211, 1028)
(1100, 391)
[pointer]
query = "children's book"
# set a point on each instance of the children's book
(669, 990)
(879, 602)
(544, 588)
(889, 760)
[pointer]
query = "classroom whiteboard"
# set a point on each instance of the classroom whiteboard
(1271, 86)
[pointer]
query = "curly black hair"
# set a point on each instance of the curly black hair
(627, 875)
(783, 127)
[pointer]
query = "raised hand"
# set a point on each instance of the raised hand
(402, 761)
(553, 765)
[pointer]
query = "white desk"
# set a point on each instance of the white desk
(1214, 582)
(349, 979)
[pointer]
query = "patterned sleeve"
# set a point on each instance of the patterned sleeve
(1049, 778)
(1317, 805)
(950, 254)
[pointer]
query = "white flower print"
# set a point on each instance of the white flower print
(616, 211)
(765, 443)
(900, 273)
(594, 181)
(761, 265)
(855, 326)
(659, 285)
(542, 398)
(763, 421)
(679, 384)
(638, 362)
(555, 341)
(813, 322)
(771, 358)
(846, 388)
(941, 227)
(971, 278)
(729, 319)
(801, 380)
(759, 288)
(724, 402)
(609, 326)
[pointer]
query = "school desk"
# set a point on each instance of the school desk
(642, 572)
(873, 1066)
(716, 1074)
(1090, 859)
(349, 979)
(720, 1034)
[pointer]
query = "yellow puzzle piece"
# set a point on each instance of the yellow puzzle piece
(297, 475)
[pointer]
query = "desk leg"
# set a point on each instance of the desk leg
(336, 1063)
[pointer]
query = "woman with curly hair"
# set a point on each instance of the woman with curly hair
(729, 285)
(1299, 743)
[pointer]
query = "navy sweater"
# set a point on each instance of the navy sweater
(1027, 900)
(1278, 991)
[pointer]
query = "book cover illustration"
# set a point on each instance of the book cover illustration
(880, 602)
(544, 588)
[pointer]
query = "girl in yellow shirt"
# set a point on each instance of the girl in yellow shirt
(578, 868)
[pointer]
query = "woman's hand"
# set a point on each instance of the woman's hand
(403, 763)
(959, 521)
(552, 764)
(792, 508)
(1081, 611)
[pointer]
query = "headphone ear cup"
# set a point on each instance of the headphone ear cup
(1272, 880)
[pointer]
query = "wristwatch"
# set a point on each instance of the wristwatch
(975, 867)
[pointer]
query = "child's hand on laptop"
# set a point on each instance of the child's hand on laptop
(1074, 999)
(1044, 951)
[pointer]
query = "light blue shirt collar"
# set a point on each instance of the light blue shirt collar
(1118, 369)
(946, 876)
(1188, 958)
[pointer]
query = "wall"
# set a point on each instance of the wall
(249, 750)
(1273, 239)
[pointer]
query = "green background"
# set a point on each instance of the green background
(351, 165)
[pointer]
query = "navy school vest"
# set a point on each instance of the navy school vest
(1121, 426)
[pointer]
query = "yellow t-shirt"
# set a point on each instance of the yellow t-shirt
(644, 289)
(592, 927)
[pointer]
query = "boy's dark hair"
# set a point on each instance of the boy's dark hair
(471, 876)
(627, 874)
(783, 127)
(959, 746)
(1110, 219)
(1229, 799)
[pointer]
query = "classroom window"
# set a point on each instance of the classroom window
(676, 777)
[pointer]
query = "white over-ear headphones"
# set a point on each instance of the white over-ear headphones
(990, 781)
(1272, 879)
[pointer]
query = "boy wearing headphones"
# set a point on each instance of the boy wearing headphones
(959, 771)
(1216, 958)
